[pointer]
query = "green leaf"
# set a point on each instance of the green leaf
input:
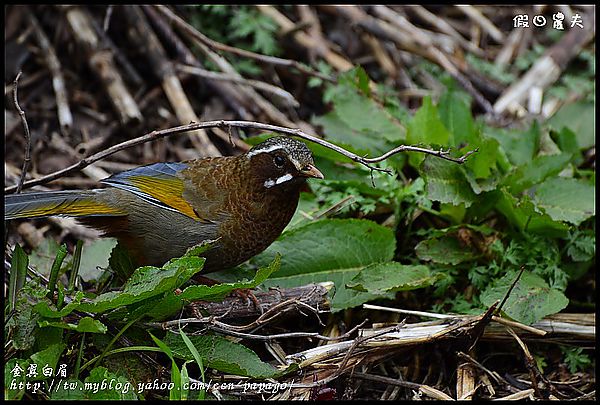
(121, 262)
(483, 163)
(530, 300)
(172, 303)
(219, 291)
(444, 250)
(356, 121)
(520, 146)
(223, 355)
(23, 322)
(455, 113)
(445, 182)
(86, 324)
(96, 258)
(14, 379)
(580, 118)
(175, 392)
(43, 255)
(567, 199)
(18, 273)
(381, 278)
(427, 128)
(330, 250)
(47, 358)
(147, 282)
(527, 217)
(534, 172)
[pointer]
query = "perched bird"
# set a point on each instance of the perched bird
(160, 210)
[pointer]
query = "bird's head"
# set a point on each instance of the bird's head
(282, 161)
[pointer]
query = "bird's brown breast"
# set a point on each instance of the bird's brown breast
(249, 216)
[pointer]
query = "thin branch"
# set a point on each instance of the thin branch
(240, 52)
(65, 117)
(27, 158)
(237, 124)
(511, 288)
(194, 70)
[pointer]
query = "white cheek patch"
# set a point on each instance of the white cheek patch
(270, 182)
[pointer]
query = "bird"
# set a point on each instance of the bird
(158, 211)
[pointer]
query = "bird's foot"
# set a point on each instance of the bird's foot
(247, 295)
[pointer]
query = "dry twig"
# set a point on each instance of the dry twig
(368, 162)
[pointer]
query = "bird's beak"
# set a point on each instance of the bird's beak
(312, 171)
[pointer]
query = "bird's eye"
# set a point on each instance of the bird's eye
(279, 161)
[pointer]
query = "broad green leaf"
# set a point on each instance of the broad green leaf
(445, 182)
(43, 256)
(86, 324)
(147, 282)
(527, 217)
(579, 117)
(223, 355)
(47, 358)
(13, 378)
(47, 310)
(357, 121)
(520, 146)
(444, 250)
(530, 300)
(427, 128)
(121, 262)
(95, 258)
(566, 140)
(534, 172)
(455, 113)
(219, 291)
(483, 162)
(330, 250)
(382, 278)
(567, 199)
(23, 322)
(172, 303)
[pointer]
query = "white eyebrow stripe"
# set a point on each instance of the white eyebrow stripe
(265, 150)
(270, 182)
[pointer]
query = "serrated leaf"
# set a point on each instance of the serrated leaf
(523, 214)
(446, 182)
(96, 257)
(222, 355)
(43, 255)
(426, 128)
(388, 277)
(567, 199)
(529, 301)
(47, 358)
(444, 250)
(455, 114)
(330, 250)
(534, 172)
(172, 303)
(580, 118)
(520, 146)
(147, 282)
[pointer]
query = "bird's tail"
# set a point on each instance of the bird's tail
(74, 203)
